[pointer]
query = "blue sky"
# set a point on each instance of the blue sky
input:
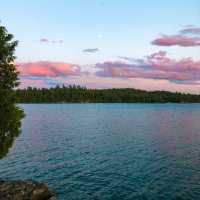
(115, 28)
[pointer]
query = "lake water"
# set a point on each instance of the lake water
(109, 151)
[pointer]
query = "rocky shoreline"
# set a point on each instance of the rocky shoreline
(25, 190)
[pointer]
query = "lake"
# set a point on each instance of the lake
(109, 151)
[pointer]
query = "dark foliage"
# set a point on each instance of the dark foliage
(77, 94)
(8, 72)
(10, 115)
(10, 123)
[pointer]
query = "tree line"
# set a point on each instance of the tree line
(78, 94)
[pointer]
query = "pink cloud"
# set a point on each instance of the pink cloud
(155, 66)
(24, 83)
(161, 61)
(176, 40)
(48, 69)
(155, 71)
(45, 40)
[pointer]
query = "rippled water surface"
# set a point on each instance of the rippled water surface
(109, 151)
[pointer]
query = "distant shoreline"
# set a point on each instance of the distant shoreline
(108, 103)
(78, 94)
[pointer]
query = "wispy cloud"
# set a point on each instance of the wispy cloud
(154, 66)
(180, 39)
(24, 83)
(190, 30)
(92, 50)
(176, 40)
(45, 40)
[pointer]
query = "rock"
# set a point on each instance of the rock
(53, 198)
(25, 190)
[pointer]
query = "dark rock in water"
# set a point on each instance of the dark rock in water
(25, 190)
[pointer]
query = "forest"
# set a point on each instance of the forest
(78, 94)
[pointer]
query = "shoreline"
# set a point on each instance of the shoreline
(23, 190)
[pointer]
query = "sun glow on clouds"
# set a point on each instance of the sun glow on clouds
(182, 39)
(156, 71)
(92, 81)
(155, 66)
(178, 40)
(48, 69)
(26, 82)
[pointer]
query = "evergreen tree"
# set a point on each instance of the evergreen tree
(8, 72)
(10, 115)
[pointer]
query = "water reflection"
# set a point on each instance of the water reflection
(10, 124)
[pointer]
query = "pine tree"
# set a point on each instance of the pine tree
(10, 114)
(8, 72)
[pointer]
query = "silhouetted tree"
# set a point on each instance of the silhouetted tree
(10, 114)
(10, 124)
(8, 72)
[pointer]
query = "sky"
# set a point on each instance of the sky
(151, 45)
